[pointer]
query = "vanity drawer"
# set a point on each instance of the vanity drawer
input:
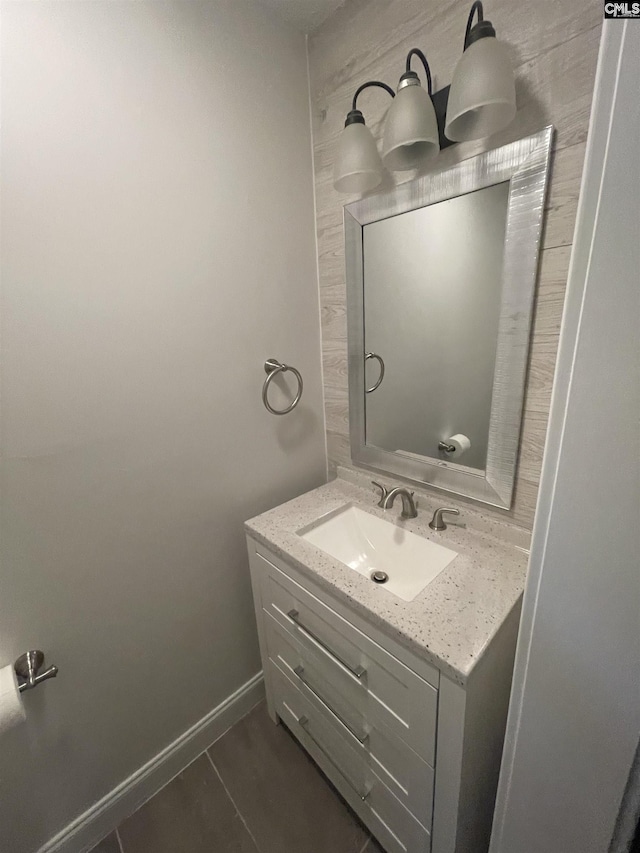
(408, 777)
(374, 683)
(391, 823)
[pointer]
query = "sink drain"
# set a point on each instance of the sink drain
(379, 577)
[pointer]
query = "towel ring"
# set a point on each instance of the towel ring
(272, 367)
(381, 377)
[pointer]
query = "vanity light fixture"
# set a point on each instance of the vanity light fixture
(480, 101)
(358, 167)
(411, 127)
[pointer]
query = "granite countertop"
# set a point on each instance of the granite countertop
(453, 619)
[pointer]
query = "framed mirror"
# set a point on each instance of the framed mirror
(441, 275)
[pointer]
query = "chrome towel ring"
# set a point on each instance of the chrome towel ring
(381, 377)
(272, 367)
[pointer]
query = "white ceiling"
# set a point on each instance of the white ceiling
(306, 15)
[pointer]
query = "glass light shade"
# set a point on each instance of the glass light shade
(482, 99)
(357, 167)
(411, 130)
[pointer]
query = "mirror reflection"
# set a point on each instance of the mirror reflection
(432, 298)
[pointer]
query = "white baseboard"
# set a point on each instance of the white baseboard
(89, 828)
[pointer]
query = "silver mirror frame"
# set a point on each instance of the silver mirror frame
(525, 164)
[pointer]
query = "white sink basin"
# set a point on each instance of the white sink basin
(368, 544)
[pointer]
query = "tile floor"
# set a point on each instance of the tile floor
(254, 791)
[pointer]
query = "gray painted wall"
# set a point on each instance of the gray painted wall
(158, 245)
(575, 716)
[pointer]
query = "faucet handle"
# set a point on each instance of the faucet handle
(384, 491)
(437, 522)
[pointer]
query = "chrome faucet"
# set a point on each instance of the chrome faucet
(408, 504)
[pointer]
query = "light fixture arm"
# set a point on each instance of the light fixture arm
(482, 28)
(366, 86)
(415, 51)
(476, 7)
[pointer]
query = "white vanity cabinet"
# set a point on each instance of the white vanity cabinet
(415, 754)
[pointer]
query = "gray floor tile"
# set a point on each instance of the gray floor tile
(192, 814)
(373, 847)
(284, 799)
(108, 845)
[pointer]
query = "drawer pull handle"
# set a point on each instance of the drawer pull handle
(299, 671)
(304, 723)
(358, 671)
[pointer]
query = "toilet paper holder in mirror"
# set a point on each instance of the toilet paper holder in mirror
(446, 447)
(28, 667)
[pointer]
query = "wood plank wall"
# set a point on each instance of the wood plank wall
(554, 47)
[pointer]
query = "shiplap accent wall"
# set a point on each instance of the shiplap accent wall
(554, 46)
